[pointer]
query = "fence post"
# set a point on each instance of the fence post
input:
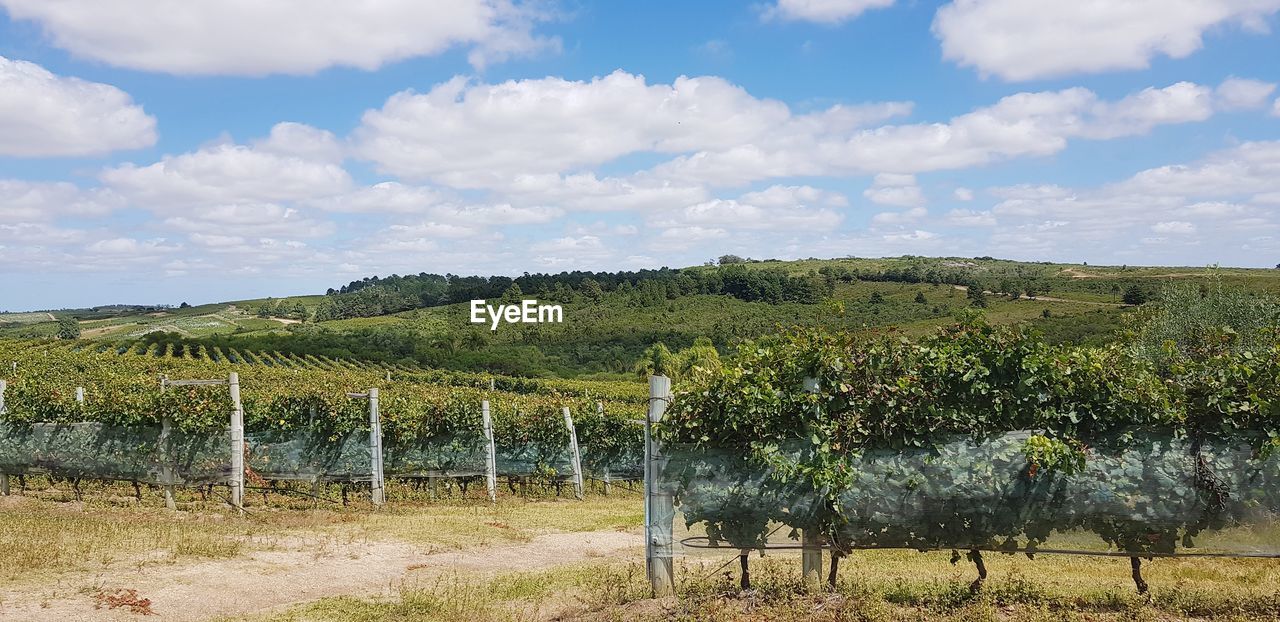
(377, 485)
(80, 395)
(237, 443)
(490, 455)
(4, 477)
(608, 473)
(574, 455)
(811, 553)
(659, 507)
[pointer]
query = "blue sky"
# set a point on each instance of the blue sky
(239, 149)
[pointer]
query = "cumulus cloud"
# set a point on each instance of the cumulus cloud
(282, 36)
(900, 190)
(1026, 40)
(1020, 125)
(1243, 93)
(46, 115)
(962, 194)
(473, 135)
(1213, 210)
(26, 201)
(226, 173)
(822, 11)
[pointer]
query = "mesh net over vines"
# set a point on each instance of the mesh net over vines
(979, 437)
(1139, 492)
(145, 454)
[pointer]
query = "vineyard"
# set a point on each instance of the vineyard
(978, 439)
(159, 414)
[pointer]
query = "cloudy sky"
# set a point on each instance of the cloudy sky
(166, 151)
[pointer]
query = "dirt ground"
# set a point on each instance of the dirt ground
(291, 573)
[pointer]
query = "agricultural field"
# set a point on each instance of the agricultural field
(852, 423)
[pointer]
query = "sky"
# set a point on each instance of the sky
(161, 152)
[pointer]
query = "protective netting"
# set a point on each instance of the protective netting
(151, 454)
(1142, 492)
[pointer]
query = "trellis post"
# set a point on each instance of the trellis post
(490, 454)
(608, 474)
(659, 507)
(377, 484)
(811, 553)
(166, 463)
(80, 395)
(4, 477)
(237, 443)
(574, 455)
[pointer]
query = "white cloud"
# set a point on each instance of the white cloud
(1020, 125)
(386, 197)
(963, 194)
(911, 216)
(970, 218)
(587, 192)
(479, 135)
(891, 189)
(302, 141)
(229, 173)
(736, 214)
(1243, 94)
(1275, 108)
(45, 115)
(25, 201)
(1032, 39)
(1176, 227)
(252, 38)
(790, 196)
(823, 11)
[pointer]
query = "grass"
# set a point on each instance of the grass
(875, 586)
(44, 538)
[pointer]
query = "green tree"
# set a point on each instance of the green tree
(657, 360)
(513, 295)
(591, 289)
(920, 299)
(68, 328)
(976, 297)
(1134, 295)
(876, 298)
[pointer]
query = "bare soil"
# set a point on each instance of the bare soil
(292, 574)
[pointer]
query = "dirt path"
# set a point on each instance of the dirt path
(1048, 298)
(274, 580)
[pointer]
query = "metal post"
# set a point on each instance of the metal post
(375, 450)
(490, 454)
(4, 384)
(237, 443)
(80, 395)
(574, 455)
(811, 553)
(659, 506)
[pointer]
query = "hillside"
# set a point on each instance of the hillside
(610, 318)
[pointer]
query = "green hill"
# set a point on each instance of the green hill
(610, 318)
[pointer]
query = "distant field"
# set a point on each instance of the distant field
(25, 318)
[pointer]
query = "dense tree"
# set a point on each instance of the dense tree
(920, 299)
(1134, 295)
(68, 328)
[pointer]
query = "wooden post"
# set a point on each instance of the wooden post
(574, 455)
(237, 444)
(659, 506)
(4, 477)
(166, 463)
(811, 553)
(490, 454)
(608, 474)
(375, 450)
